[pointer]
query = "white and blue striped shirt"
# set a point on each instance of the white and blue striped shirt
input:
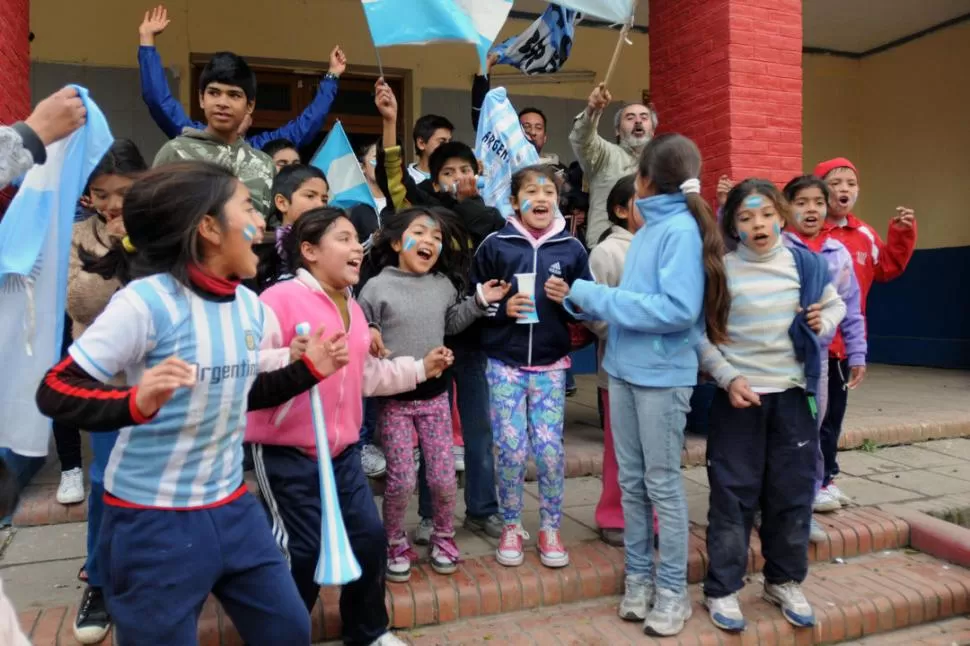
(190, 454)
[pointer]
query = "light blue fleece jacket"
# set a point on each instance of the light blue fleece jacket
(655, 315)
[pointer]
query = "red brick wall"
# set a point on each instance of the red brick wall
(728, 74)
(14, 60)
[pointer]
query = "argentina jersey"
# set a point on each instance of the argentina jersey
(190, 453)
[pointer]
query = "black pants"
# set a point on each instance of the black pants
(67, 438)
(832, 422)
(763, 456)
(290, 485)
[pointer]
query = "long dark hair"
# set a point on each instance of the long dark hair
(621, 194)
(162, 212)
(454, 262)
(309, 227)
(123, 158)
(752, 185)
(668, 161)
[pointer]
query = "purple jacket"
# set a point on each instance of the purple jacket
(853, 326)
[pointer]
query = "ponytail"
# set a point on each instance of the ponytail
(717, 298)
(113, 265)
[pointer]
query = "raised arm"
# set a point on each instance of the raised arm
(166, 111)
(589, 147)
(895, 255)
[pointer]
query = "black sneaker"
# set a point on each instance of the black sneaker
(93, 621)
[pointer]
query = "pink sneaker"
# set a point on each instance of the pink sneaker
(552, 553)
(399, 556)
(509, 552)
(445, 555)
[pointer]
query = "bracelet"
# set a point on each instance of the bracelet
(331, 76)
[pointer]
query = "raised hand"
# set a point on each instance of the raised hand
(338, 61)
(58, 115)
(741, 395)
(495, 290)
(153, 24)
(598, 100)
(158, 384)
(904, 218)
(328, 355)
(385, 100)
(724, 186)
(437, 361)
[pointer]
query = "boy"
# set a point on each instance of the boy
(283, 152)
(872, 260)
(227, 94)
(430, 131)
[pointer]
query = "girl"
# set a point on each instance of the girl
(296, 190)
(606, 262)
(178, 521)
(809, 197)
(527, 362)
(88, 294)
(673, 286)
(413, 303)
(326, 257)
(763, 439)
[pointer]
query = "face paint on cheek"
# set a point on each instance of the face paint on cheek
(799, 217)
(743, 235)
(777, 229)
(753, 202)
(526, 206)
(410, 243)
(439, 248)
(249, 232)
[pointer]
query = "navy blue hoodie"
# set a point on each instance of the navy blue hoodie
(512, 250)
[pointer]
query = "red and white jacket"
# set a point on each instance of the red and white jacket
(872, 258)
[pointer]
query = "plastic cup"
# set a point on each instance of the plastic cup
(526, 284)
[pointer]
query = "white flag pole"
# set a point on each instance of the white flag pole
(619, 44)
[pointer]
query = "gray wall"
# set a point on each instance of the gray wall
(457, 106)
(116, 90)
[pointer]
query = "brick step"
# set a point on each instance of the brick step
(484, 588)
(873, 595)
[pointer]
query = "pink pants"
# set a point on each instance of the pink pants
(609, 512)
(456, 438)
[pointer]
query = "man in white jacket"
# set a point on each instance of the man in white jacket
(605, 162)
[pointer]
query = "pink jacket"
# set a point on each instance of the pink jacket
(303, 300)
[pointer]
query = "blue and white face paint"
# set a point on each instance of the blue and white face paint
(249, 232)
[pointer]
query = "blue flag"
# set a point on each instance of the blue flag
(502, 148)
(544, 46)
(615, 11)
(35, 246)
(417, 22)
(336, 158)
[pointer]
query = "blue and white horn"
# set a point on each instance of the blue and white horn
(337, 564)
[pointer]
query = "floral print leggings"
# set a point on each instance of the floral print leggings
(527, 409)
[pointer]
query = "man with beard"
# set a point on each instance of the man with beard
(605, 162)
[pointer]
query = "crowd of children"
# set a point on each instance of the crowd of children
(188, 343)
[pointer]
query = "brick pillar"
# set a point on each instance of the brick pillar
(14, 60)
(728, 74)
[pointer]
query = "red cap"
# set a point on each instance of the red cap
(826, 167)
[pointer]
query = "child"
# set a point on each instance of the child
(673, 284)
(606, 262)
(413, 303)
(178, 521)
(283, 152)
(88, 293)
(296, 190)
(430, 131)
(808, 196)
(763, 439)
(325, 256)
(227, 93)
(527, 363)
(873, 260)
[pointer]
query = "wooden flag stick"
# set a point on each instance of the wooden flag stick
(619, 45)
(380, 67)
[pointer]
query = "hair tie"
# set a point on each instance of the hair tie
(689, 186)
(127, 246)
(281, 234)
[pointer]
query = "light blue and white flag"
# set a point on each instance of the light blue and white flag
(336, 158)
(502, 148)
(35, 245)
(544, 46)
(615, 11)
(417, 22)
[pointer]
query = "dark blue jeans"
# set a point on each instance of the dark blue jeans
(476, 430)
(368, 422)
(23, 468)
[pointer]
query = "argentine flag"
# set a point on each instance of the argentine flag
(615, 11)
(503, 149)
(336, 158)
(35, 244)
(544, 46)
(417, 22)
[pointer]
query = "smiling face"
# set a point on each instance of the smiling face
(107, 193)
(758, 223)
(335, 260)
(312, 194)
(536, 201)
(535, 128)
(809, 211)
(843, 192)
(420, 246)
(229, 244)
(635, 129)
(226, 109)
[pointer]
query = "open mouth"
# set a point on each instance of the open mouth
(541, 209)
(844, 200)
(425, 254)
(810, 219)
(760, 237)
(354, 262)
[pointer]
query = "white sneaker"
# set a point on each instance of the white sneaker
(388, 639)
(459, 452)
(637, 597)
(71, 489)
(817, 533)
(422, 534)
(839, 494)
(372, 461)
(726, 613)
(794, 606)
(670, 613)
(825, 501)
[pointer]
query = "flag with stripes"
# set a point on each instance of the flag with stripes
(544, 46)
(502, 148)
(336, 158)
(35, 244)
(614, 11)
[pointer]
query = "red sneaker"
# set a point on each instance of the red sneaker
(552, 553)
(509, 552)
